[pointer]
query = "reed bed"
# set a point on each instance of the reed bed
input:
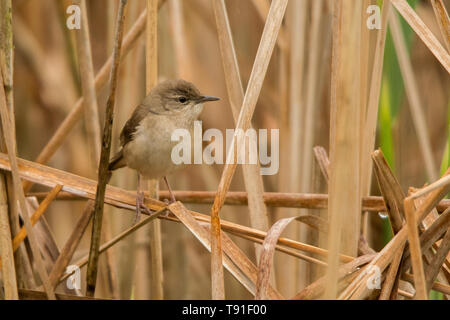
(358, 208)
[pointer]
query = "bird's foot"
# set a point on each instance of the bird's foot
(140, 205)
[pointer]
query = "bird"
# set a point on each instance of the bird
(145, 140)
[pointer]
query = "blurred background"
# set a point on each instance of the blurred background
(47, 85)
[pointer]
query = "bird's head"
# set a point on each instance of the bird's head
(178, 97)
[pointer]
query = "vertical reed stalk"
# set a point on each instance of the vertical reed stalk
(344, 192)
(6, 58)
(260, 65)
(252, 177)
(10, 145)
(412, 92)
(103, 173)
(151, 80)
(371, 113)
(297, 38)
(308, 125)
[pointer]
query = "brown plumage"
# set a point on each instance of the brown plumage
(146, 137)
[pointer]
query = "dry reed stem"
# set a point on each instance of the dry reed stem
(433, 268)
(21, 235)
(297, 22)
(91, 116)
(373, 204)
(260, 65)
(284, 249)
(71, 244)
(415, 250)
(384, 257)
(90, 106)
(26, 294)
(262, 7)
(151, 58)
(8, 222)
(432, 234)
(126, 200)
(390, 189)
(371, 119)
(317, 288)
(364, 78)
(6, 251)
(423, 32)
(393, 197)
(322, 160)
(308, 124)
(437, 184)
(412, 92)
(345, 154)
(234, 260)
(252, 177)
(266, 258)
(83, 261)
(269, 244)
(442, 20)
(103, 172)
(312, 75)
(10, 145)
(392, 276)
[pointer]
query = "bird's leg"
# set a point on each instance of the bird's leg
(172, 197)
(140, 202)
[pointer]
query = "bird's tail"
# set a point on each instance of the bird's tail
(117, 162)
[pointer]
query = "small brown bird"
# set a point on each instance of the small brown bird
(145, 139)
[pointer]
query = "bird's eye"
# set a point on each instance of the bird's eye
(182, 99)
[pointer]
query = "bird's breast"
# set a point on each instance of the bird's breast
(149, 152)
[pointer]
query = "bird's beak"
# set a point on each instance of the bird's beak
(207, 98)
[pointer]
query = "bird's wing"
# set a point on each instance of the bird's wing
(131, 125)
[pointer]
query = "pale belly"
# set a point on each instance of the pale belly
(150, 151)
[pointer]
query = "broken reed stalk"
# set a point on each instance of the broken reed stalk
(7, 225)
(412, 92)
(358, 288)
(435, 266)
(103, 173)
(234, 259)
(423, 32)
(442, 20)
(252, 178)
(21, 235)
(260, 65)
(127, 200)
(71, 244)
(393, 197)
(344, 207)
(104, 247)
(390, 189)
(10, 145)
(151, 58)
(415, 250)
